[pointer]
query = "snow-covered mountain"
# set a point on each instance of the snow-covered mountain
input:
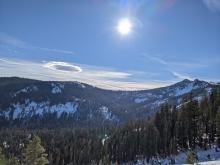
(33, 103)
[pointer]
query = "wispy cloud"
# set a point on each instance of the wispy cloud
(158, 59)
(12, 41)
(8, 40)
(176, 68)
(213, 5)
(56, 50)
(171, 63)
(62, 71)
(181, 76)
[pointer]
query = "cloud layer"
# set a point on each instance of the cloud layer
(106, 78)
(62, 71)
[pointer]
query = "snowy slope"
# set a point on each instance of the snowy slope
(25, 98)
(30, 108)
(181, 158)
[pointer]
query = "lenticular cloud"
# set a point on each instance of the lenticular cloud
(62, 66)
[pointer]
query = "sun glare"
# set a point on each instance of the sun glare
(124, 26)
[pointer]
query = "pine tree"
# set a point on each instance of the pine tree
(191, 158)
(205, 122)
(218, 124)
(192, 121)
(214, 102)
(35, 153)
(2, 158)
(14, 161)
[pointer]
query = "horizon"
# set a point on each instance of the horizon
(116, 45)
(114, 88)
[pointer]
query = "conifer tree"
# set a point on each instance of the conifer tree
(218, 123)
(191, 158)
(2, 158)
(35, 153)
(14, 161)
(205, 120)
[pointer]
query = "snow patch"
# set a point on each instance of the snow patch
(159, 102)
(26, 90)
(178, 91)
(208, 90)
(30, 108)
(198, 98)
(57, 88)
(140, 100)
(81, 85)
(181, 158)
(179, 100)
(106, 113)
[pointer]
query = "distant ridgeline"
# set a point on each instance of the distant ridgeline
(26, 103)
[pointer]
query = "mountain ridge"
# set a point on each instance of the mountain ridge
(179, 82)
(73, 103)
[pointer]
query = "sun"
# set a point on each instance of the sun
(124, 26)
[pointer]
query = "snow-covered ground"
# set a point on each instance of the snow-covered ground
(140, 100)
(26, 90)
(106, 113)
(181, 90)
(217, 162)
(203, 159)
(57, 88)
(30, 108)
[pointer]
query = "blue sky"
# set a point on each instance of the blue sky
(78, 40)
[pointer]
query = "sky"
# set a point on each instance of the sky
(79, 40)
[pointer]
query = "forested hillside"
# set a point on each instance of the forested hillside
(172, 130)
(34, 104)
